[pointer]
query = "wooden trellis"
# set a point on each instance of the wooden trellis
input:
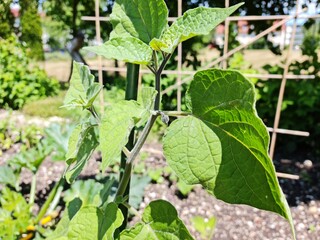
(180, 73)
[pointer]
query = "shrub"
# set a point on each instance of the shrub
(19, 82)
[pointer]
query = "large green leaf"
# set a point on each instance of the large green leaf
(89, 223)
(82, 143)
(83, 90)
(142, 19)
(115, 129)
(127, 49)
(160, 222)
(233, 164)
(198, 21)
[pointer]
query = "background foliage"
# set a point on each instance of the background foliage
(19, 82)
(31, 29)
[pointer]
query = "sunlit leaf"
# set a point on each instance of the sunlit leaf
(83, 90)
(197, 21)
(115, 129)
(160, 221)
(82, 143)
(128, 49)
(224, 144)
(144, 20)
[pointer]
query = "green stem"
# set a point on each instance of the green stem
(55, 200)
(94, 113)
(176, 113)
(50, 198)
(158, 81)
(131, 94)
(33, 190)
(124, 183)
(133, 210)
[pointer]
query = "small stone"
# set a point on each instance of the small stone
(313, 210)
(300, 227)
(307, 164)
(153, 194)
(193, 210)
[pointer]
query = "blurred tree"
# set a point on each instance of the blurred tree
(31, 30)
(69, 12)
(6, 19)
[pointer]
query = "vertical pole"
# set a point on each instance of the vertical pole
(98, 37)
(283, 85)
(179, 63)
(131, 94)
(226, 38)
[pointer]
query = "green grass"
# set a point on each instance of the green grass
(49, 107)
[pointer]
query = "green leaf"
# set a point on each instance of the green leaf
(83, 90)
(82, 143)
(85, 224)
(70, 211)
(88, 222)
(198, 21)
(184, 188)
(88, 191)
(148, 95)
(112, 220)
(197, 144)
(160, 222)
(146, 99)
(142, 19)
(127, 49)
(7, 176)
(137, 185)
(241, 171)
(115, 129)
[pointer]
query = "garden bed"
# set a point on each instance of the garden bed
(233, 222)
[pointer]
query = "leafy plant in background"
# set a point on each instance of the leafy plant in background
(19, 82)
(301, 99)
(16, 213)
(10, 133)
(204, 226)
(219, 143)
(6, 19)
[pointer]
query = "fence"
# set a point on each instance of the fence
(223, 61)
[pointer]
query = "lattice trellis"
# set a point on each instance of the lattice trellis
(180, 73)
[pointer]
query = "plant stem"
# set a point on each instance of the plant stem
(134, 153)
(158, 81)
(94, 113)
(131, 94)
(125, 181)
(133, 210)
(176, 113)
(33, 190)
(55, 200)
(50, 198)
